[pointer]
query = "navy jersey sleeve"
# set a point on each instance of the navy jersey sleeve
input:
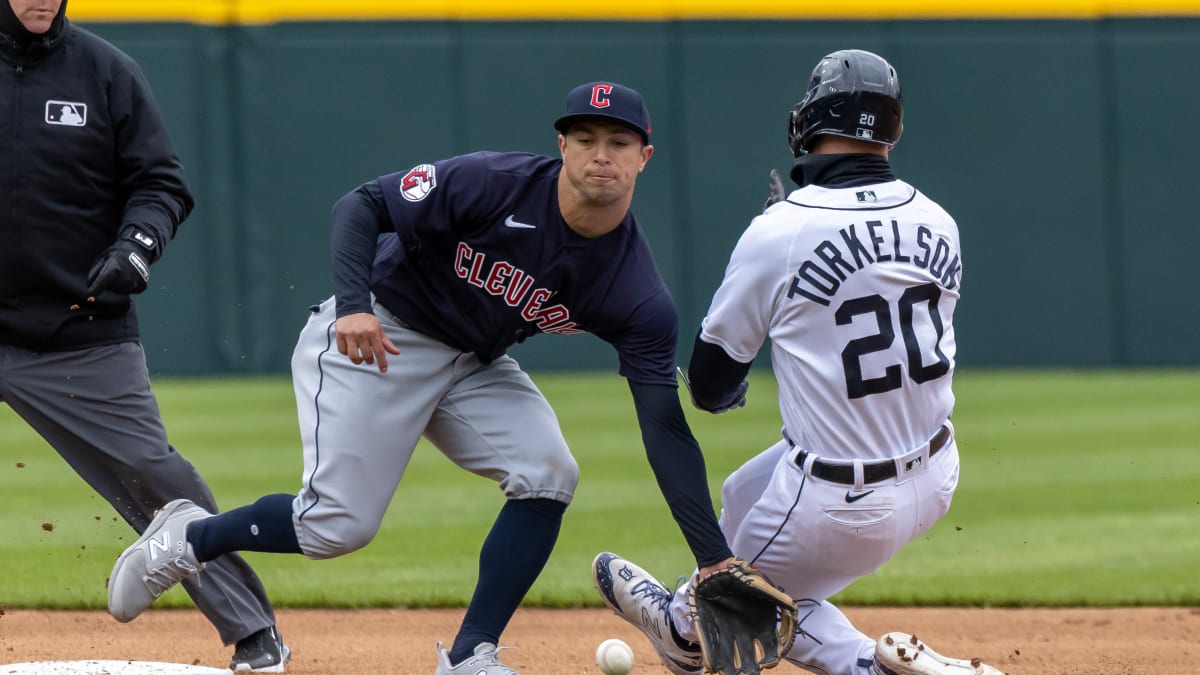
(443, 198)
(678, 466)
(646, 345)
(358, 219)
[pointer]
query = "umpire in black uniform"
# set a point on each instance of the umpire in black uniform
(91, 191)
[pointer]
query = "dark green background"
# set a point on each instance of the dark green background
(1063, 148)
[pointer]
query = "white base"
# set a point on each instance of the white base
(107, 668)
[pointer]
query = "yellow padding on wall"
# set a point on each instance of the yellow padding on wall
(192, 11)
(270, 11)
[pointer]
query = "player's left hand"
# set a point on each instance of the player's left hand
(122, 268)
(745, 623)
(716, 567)
(360, 337)
(736, 400)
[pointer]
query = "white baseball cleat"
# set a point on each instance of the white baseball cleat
(640, 599)
(161, 558)
(486, 661)
(904, 654)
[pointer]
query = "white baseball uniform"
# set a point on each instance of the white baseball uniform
(856, 287)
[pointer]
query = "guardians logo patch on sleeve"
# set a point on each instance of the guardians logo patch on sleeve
(418, 183)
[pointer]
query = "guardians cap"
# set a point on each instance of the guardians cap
(606, 101)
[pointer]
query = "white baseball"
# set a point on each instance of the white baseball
(614, 657)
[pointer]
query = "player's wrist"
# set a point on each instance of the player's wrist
(142, 241)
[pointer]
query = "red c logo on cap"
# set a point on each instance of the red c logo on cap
(600, 94)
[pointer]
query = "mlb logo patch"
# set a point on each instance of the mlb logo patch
(66, 113)
(865, 196)
(865, 134)
(144, 239)
(418, 182)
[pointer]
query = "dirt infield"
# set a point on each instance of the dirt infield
(560, 642)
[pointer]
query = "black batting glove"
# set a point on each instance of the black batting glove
(775, 191)
(734, 401)
(125, 266)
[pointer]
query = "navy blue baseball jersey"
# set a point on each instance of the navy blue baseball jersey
(473, 251)
(482, 259)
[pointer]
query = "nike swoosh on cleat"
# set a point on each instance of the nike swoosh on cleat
(850, 499)
(510, 222)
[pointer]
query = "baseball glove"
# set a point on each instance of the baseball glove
(744, 621)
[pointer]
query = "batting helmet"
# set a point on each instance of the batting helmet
(852, 93)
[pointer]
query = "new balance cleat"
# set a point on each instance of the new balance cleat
(485, 661)
(161, 558)
(640, 599)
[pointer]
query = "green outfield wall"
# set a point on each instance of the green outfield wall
(1062, 138)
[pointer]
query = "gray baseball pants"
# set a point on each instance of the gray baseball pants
(360, 428)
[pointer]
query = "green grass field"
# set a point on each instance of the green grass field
(1077, 488)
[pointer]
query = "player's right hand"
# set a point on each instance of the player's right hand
(361, 338)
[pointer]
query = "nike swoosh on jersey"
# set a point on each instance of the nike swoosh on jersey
(511, 222)
(850, 499)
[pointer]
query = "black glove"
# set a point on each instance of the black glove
(746, 624)
(125, 266)
(737, 400)
(775, 191)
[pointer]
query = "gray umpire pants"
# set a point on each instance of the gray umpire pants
(94, 406)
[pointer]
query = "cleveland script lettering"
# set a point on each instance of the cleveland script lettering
(506, 280)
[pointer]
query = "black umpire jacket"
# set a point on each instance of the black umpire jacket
(84, 154)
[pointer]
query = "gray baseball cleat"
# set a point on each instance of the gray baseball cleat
(904, 654)
(640, 599)
(486, 661)
(161, 558)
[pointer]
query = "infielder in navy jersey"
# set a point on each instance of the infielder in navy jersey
(438, 270)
